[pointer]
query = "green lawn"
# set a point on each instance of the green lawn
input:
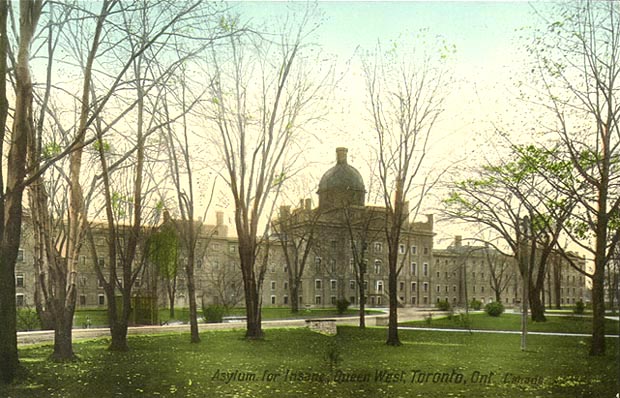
(507, 321)
(98, 317)
(225, 365)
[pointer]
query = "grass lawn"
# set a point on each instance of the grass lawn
(296, 363)
(98, 317)
(507, 321)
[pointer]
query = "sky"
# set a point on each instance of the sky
(489, 54)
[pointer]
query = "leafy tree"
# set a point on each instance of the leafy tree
(163, 254)
(576, 68)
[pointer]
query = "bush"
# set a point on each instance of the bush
(213, 313)
(342, 306)
(579, 307)
(27, 319)
(443, 305)
(494, 309)
(475, 305)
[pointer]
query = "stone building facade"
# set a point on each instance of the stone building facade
(342, 222)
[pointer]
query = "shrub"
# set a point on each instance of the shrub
(443, 305)
(213, 313)
(494, 309)
(579, 307)
(342, 305)
(27, 319)
(428, 319)
(475, 305)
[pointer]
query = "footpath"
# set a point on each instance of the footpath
(404, 315)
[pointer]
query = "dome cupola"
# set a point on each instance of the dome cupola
(342, 184)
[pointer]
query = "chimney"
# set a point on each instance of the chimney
(458, 241)
(341, 155)
(285, 211)
(166, 216)
(301, 203)
(308, 204)
(219, 217)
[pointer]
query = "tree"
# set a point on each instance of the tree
(163, 254)
(405, 94)
(499, 198)
(361, 226)
(261, 96)
(11, 204)
(296, 233)
(576, 64)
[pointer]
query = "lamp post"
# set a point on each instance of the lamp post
(525, 230)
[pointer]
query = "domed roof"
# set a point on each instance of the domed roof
(342, 176)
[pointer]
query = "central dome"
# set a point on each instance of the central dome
(342, 184)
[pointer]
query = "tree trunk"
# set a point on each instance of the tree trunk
(393, 339)
(118, 326)
(598, 309)
(63, 345)
(294, 293)
(191, 292)
(23, 130)
(536, 305)
(362, 298)
(252, 300)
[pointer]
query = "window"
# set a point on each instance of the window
(438, 273)
(317, 263)
(474, 289)
(333, 300)
(425, 287)
(332, 266)
(447, 289)
(285, 268)
(101, 262)
(352, 285)
(426, 250)
(401, 248)
(20, 300)
(413, 286)
(317, 300)
(101, 299)
(99, 283)
(379, 300)
(365, 285)
(285, 285)
(453, 288)
(19, 280)
(285, 300)
(401, 286)
(301, 300)
(473, 275)
(352, 299)
(83, 260)
(378, 247)
(273, 299)
(333, 284)
(413, 300)
(482, 289)
(437, 288)
(231, 249)
(379, 287)
(82, 299)
(425, 269)
(377, 266)
(20, 255)
(317, 284)
(273, 285)
(414, 250)
(414, 269)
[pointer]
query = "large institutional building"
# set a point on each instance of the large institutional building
(340, 233)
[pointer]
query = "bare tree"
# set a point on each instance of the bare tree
(261, 95)
(11, 204)
(296, 232)
(405, 94)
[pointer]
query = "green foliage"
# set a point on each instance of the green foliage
(50, 150)
(27, 319)
(213, 313)
(443, 305)
(475, 305)
(428, 319)
(102, 144)
(342, 306)
(163, 251)
(580, 307)
(494, 309)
